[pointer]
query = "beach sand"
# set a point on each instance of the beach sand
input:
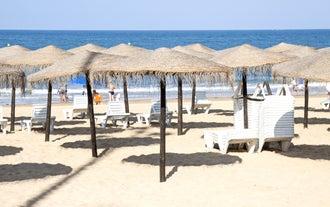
(62, 172)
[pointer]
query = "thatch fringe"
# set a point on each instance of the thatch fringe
(10, 77)
(209, 77)
(61, 80)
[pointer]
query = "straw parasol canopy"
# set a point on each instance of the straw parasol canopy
(79, 64)
(72, 66)
(30, 61)
(301, 52)
(12, 50)
(193, 52)
(12, 76)
(89, 47)
(37, 58)
(247, 56)
(199, 48)
(286, 47)
(125, 50)
(196, 53)
(313, 67)
(162, 62)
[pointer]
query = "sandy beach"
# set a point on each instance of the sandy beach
(62, 172)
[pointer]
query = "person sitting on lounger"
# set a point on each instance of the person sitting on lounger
(97, 97)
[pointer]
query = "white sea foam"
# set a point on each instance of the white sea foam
(140, 93)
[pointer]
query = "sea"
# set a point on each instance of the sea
(148, 88)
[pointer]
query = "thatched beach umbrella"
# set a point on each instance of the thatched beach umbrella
(76, 65)
(37, 58)
(286, 47)
(160, 63)
(125, 50)
(247, 58)
(296, 51)
(11, 50)
(89, 47)
(199, 48)
(313, 67)
(30, 61)
(12, 74)
(300, 53)
(196, 53)
(15, 78)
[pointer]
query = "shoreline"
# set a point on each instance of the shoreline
(171, 94)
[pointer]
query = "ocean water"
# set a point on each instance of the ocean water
(148, 89)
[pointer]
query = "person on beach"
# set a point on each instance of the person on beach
(63, 93)
(97, 97)
(84, 92)
(293, 85)
(111, 87)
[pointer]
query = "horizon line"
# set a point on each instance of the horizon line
(159, 29)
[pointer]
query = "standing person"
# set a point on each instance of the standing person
(84, 91)
(111, 87)
(66, 97)
(60, 92)
(293, 85)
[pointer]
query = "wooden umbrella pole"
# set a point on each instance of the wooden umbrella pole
(244, 90)
(162, 129)
(91, 115)
(193, 94)
(306, 105)
(49, 108)
(12, 112)
(125, 94)
(179, 105)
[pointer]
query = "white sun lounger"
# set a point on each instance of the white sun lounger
(270, 120)
(39, 114)
(201, 102)
(115, 112)
(3, 122)
(277, 121)
(154, 114)
(80, 105)
(325, 104)
(238, 135)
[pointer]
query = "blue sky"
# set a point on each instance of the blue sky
(164, 15)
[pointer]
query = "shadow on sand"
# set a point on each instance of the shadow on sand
(314, 152)
(8, 150)
(26, 171)
(112, 143)
(176, 160)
